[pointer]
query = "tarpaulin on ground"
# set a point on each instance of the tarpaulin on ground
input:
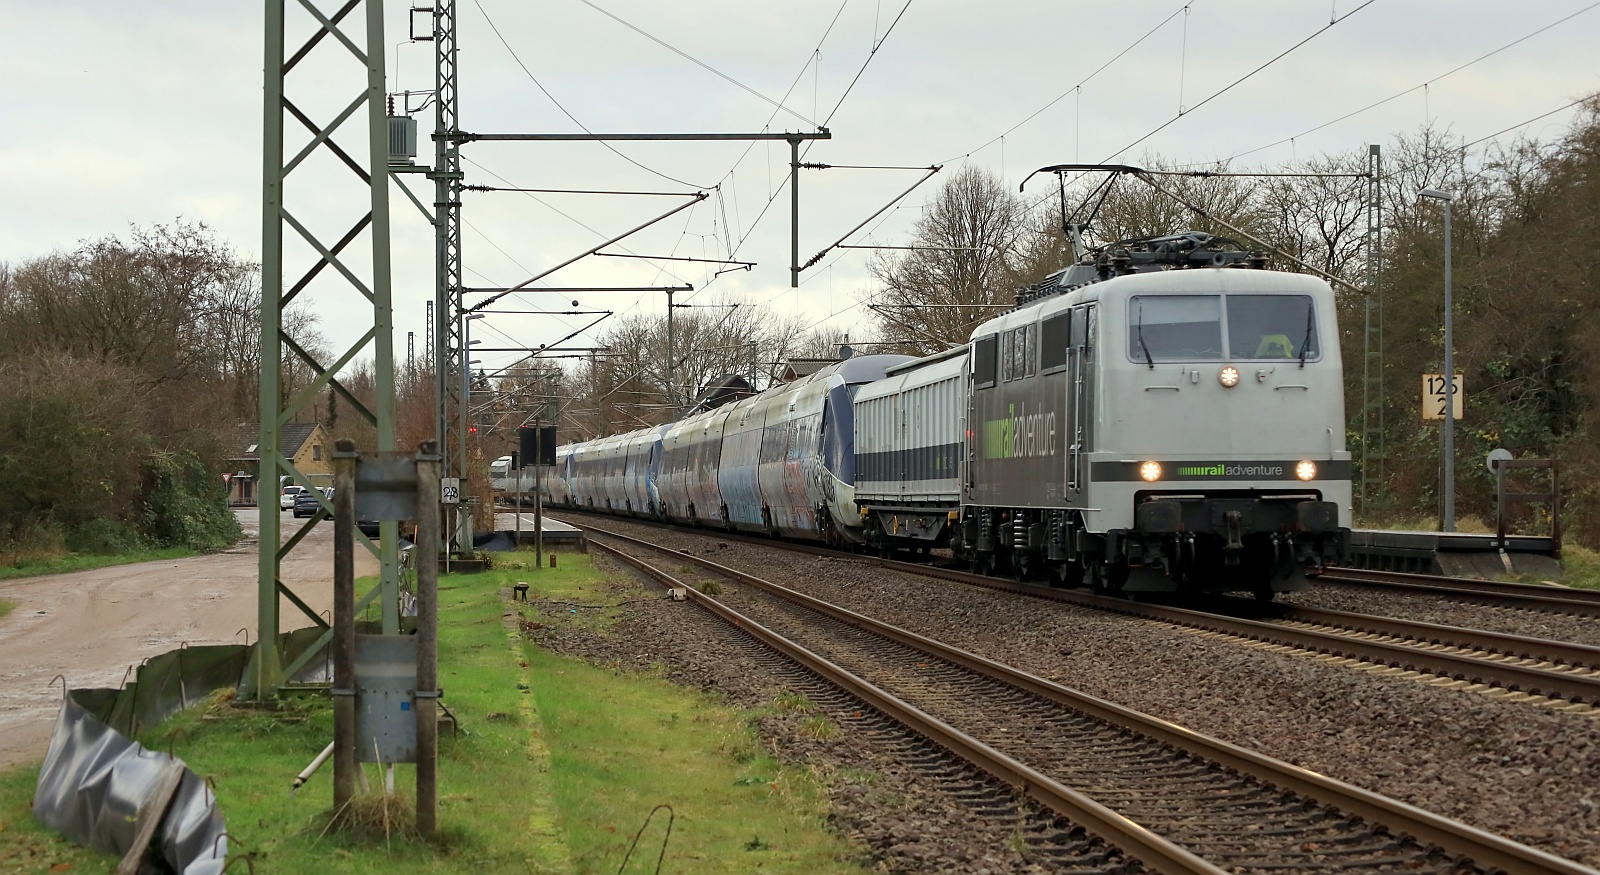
(95, 783)
(96, 780)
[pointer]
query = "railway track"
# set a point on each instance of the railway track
(1522, 596)
(1549, 674)
(1173, 799)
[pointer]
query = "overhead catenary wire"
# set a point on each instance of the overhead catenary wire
(1074, 89)
(540, 85)
(1231, 85)
(881, 210)
(696, 61)
(1423, 86)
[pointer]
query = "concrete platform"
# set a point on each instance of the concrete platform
(1457, 554)
(557, 534)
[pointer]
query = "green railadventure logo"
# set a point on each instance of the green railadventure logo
(1020, 436)
(1230, 470)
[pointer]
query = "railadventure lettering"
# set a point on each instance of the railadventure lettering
(1230, 471)
(1020, 435)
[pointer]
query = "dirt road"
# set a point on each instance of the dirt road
(91, 625)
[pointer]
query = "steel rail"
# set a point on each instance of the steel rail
(1551, 681)
(1583, 602)
(1478, 669)
(1484, 848)
(1147, 847)
(1518, 646)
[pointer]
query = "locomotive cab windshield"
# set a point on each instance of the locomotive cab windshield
(1198, 328)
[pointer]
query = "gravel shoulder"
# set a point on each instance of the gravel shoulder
(877, 799)
(1520, 771)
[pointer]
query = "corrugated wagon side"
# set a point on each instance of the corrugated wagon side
(910, 433)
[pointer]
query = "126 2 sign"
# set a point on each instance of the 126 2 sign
(1433, 396)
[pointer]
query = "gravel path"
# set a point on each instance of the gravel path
(1523, 772)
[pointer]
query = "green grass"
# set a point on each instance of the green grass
(1580, 566)
(559, 765)
(5, 607)
(27, 846)
(621, 744)
(85, 561)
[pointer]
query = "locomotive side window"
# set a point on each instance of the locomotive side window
(1018, 348)
(1055, 334)
(1272, 327)
(983, 360)
(1174, 328)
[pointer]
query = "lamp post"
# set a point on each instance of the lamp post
(1449, 523)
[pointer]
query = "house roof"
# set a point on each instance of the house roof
(796, 368)
(291, 437)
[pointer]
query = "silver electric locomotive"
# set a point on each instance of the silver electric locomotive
(1164, 416)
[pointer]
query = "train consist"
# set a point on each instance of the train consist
(1164, 415)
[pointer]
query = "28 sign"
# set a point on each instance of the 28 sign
(1433, 396)
(450, 490)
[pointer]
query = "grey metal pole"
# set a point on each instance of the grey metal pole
(1448, 433)
(427, 638)
(383, 309)
(267, 663)
(538, 495)
(464, 331)
(794, 213)
(672, 398)
(344, 625)
(1449, 387)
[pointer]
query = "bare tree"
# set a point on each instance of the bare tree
(964, 266)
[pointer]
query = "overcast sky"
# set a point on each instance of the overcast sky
(119, 114)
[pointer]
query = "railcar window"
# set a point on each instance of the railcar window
(983, 360)
(1174, 328)
(1272, 327)
(1055, 334)
(1029, 337)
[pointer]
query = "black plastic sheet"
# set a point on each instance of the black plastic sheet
(95, 780)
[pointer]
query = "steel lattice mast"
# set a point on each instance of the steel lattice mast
(337, 267)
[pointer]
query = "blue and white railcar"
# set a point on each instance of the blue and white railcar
(737, 473)
(909, 430)
(558, 482)
(687, 482)
(807, 470)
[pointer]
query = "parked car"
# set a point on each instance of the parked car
(286, 498)
(308, 503)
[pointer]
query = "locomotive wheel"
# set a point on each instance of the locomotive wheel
(985, 564)
(1069, 575)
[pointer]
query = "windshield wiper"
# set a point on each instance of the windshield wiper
(1140, 328)
(1305, 345)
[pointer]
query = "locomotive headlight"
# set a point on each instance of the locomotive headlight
(1150, 472)
(1306, 470)
(1229, 377)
